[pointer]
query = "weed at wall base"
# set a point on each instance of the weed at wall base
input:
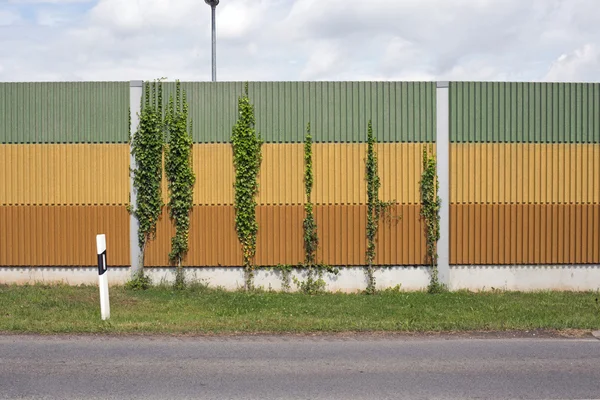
(140, 281)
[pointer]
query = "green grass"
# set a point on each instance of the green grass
(198, 310)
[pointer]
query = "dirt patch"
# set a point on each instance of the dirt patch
(527, 334)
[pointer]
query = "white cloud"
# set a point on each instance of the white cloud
(402, 58)
(581, 64)
(325, 60)
(8, 17)
(49, 1)
(134, 17)
(238, 18)
(53, 18)
(303, 39)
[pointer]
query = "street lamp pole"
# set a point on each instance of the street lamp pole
(213, 5)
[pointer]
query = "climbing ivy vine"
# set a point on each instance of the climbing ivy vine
(311, 239)
(147, 148)
(180, 177)
(246, 143)
(375, 207)
(314, 272)
(430, 212)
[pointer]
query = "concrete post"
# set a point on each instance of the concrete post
(443, 171)
(135, 103)
(214, 43)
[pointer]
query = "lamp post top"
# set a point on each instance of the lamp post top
(212, 3)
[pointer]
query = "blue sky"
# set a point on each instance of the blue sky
(32, 13)
(516, 40)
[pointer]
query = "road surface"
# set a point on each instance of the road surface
(287, 367)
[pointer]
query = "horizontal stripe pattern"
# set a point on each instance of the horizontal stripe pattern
(341, 231)
(524, 234)
(55, 174)
(62, 236)
(525, 173)
(338, 111)
(505, 112)
(64, 112)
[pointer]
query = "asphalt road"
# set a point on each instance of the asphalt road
(33, 367)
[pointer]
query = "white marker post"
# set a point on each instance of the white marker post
(102, 276)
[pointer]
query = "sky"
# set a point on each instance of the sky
(298, 40)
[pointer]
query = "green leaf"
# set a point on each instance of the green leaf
(246, 144)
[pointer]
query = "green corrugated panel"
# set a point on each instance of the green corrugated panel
(337, 111)
(86, 112)
(494, 112)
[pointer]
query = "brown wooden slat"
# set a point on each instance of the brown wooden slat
(559, 234)
(62, 235)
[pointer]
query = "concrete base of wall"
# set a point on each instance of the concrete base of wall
(349, 279)
(68, 275)
(525, 277)
(352, 279)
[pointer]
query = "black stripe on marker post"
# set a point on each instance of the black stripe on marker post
(102, 267)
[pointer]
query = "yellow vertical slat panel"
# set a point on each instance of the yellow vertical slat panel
(60, 174)
(576, 154)
(536, 168)
(525, 173)
(339, 172)
(5, 176)
(281, 177)
(215, 176)
(592, 176)
(270, 169)
(455, 175)
(335, 163)
(555, 184)
(521, 180)
(400, 169)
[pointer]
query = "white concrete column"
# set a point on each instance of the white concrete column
(443, 171)
(135, 103)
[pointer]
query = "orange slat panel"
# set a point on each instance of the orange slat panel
(454, 237)
(559, 234)
(62, 235)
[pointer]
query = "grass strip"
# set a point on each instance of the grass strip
(49, 309)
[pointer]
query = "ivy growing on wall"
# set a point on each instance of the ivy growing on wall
(246, 143)
(180, 177)
(147, 148)
(314, 272)
(311, 239)
(430, 212)
(375, 207)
